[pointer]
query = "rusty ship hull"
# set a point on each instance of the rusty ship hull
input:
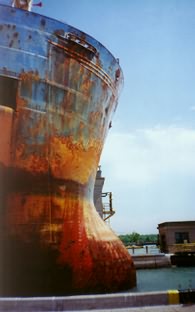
(58, 91)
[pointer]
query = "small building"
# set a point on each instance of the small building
(177, 237)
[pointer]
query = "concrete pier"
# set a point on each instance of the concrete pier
(151, 261)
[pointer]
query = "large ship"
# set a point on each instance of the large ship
(58, 91)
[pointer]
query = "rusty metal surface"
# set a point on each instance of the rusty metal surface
(58, 92)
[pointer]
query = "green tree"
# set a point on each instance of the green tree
(136, 238)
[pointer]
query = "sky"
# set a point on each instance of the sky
(148, 158)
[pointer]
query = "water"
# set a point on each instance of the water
(162, 279)
(165, 279)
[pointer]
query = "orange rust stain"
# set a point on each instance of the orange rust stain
(6, 119)
(29, 76)
(26, 209)
(67, 159)
(31, 216)
(71, 160)
(21, 102)
(70, 223)
(68, 72)
(87, 83)
(95, 119)
(97, 258)
(32, 162)
(74, 249)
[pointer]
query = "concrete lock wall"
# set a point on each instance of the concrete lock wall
(95, 302)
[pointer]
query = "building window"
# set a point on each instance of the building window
(181, 237)
(8, 91)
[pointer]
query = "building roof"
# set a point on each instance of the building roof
(174, 223)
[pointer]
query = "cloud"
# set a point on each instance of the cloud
(151, 173)
(145, 155)
(192, 108)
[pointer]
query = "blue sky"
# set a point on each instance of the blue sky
(149, 155)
